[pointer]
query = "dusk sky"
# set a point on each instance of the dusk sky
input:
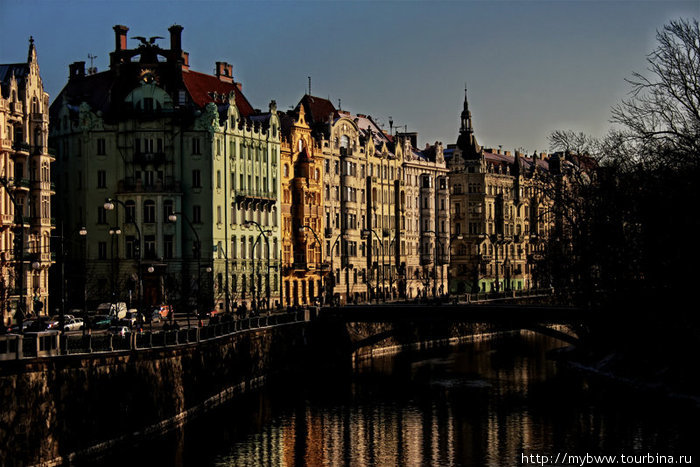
(530, 67)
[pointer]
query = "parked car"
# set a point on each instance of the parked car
(116, 310)
(163, 310)
(100, 322)
(132, 317)
(118, 330)
(73, 324)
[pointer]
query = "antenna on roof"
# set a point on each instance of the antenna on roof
(339, 107)
(92, 69)
(309, 85)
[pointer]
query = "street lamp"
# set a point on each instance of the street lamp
(248, 223)
(365, 233)
(332, 287)
(109, 206)
(320, 246)
(198, 248)
(113, 231)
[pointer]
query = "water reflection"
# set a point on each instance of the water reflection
(485, 403)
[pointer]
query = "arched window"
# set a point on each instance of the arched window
(285, 170)
(344, 141)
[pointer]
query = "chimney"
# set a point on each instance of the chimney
(120, 37)
(76, 70)
(175, 37)
(224, 72)
(185, 60)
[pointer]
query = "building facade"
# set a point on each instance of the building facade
(427, 219)
(25, 190)
(302, 213)
(500, 217)
(191, 169)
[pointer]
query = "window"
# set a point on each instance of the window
(130, 211)
(167, 209)
(101, 179)
(131, 247)
(196, 178)
(196, 214)
(149, 244)
(218, 214)
(218, 179)
(195, 146)
(149, 211)
(102, 250)
(167, 246)
(101, 215)
(101, 147)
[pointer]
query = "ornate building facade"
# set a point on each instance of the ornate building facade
(302, 212)
(427, 219)
(500, 218)
(26, 190)
(191, 169)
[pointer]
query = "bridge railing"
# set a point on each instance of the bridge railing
(52, 343)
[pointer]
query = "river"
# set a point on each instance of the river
(497, 402)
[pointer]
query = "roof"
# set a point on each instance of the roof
(93, 89)
(317, 109)
(525, 163)
(202, 86)
(19, 70)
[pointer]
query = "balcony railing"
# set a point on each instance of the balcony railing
(130, 185)
(21, 147)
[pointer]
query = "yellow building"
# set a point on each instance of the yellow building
(302, 212)
(25, 182)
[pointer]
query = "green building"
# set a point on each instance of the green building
(192, 169)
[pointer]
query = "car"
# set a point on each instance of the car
(100, 322)
(73, 324)
(163, 310)
(132, 317)
(118, 330)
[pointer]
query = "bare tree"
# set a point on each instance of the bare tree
(662, 116)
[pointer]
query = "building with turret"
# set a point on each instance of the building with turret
(25, 190)
(500, 217)
(192, 174)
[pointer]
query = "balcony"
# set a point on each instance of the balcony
(144, 158)
(255, 198)
(16, 107)
(21, 148)
(22, 184)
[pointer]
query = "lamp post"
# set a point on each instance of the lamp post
(495, 241)
(112, 232)
(19, 251)
(109, 206)
(320, 245)
(452, 238)
(267, 244)
(366, 233)
(332, 287)
(223, 250)
(442, 247)
(198, 248)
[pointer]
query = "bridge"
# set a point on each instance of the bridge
(395, 320)
(481, 313)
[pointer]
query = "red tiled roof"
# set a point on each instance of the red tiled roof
(200, 87)
(317, 108)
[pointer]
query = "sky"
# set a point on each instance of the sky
(531, 67)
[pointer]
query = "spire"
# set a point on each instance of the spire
(31, 56)
(466, 140)
(466, 116)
